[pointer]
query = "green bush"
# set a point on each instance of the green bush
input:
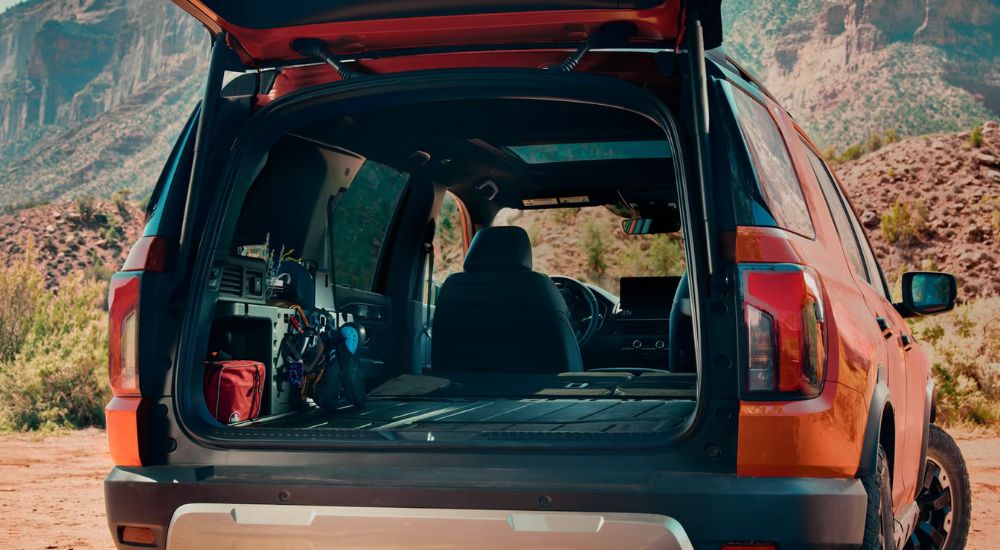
(891, 136)
(85, 206)
(121, 201)
(853, 152)
(932, 334)
(903, 222)
(21, 291)
(873, 143)
(56, 376)
(976, 137)
(594, 248)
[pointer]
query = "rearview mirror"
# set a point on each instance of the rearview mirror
(928, 292)
(649, 226)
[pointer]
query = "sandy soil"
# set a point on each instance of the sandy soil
(51, 495)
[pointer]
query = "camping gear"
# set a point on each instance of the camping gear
(234, 389)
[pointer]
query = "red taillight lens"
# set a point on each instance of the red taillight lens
(148, 254)
(786, 331)
(123, 335)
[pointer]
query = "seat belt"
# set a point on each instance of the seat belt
(429, 251)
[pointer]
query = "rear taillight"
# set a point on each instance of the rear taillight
(785, 332)
(148, 254)
(124, 415)
(123, 335)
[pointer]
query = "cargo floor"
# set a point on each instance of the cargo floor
(495, 415)
(591, 402)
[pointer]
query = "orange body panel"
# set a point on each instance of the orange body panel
(818, 437)
(122, 419)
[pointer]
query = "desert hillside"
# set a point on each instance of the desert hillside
(80, 236)
(933, 202)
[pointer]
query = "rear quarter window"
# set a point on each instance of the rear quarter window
(772, 165)
(361, 222)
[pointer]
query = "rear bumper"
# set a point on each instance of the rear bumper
(710, 510)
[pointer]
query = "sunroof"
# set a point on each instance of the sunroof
(590, 151)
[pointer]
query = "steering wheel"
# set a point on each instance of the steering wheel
(584, 313)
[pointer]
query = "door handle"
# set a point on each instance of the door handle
(884, 326)
(907, 342)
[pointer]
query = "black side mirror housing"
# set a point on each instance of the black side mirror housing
(927, 293)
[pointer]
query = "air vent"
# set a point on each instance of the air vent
(232, 280)
(254, 283)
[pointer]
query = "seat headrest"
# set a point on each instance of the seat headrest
(499, 249)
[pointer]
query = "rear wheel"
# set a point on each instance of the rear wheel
(945, 499)
(878, 521)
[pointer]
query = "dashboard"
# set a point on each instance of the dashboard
(634, 328)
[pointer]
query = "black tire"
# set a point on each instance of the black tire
(945, 499)
(878, 519)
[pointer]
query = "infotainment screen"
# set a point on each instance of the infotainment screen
(648, 293)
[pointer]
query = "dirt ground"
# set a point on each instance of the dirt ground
(51, 494)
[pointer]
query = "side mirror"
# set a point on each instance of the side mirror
(927, 293)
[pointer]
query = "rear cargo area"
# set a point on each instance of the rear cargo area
(454, 270)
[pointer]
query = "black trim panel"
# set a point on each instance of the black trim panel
(712, 509)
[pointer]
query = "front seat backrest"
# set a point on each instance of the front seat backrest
(500, 316)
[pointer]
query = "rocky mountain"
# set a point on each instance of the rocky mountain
(95, 92)
(87, 236)
(847, 68)
(933, 203)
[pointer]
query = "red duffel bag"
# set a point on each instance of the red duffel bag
(234, 389)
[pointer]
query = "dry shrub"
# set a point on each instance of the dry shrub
(21, 289)
(965, 348)
(904, 222)
(56, 375)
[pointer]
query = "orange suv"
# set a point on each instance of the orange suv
(505, 274)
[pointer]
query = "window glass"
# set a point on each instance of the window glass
(841, 218)
(589, 245)
(875, 272)
(773, 165)
(575, 152)
(361, 220)
(449, 246)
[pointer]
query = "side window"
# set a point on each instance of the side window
(841, 218)
(876, 277)
(773, 165)
(361, 221)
